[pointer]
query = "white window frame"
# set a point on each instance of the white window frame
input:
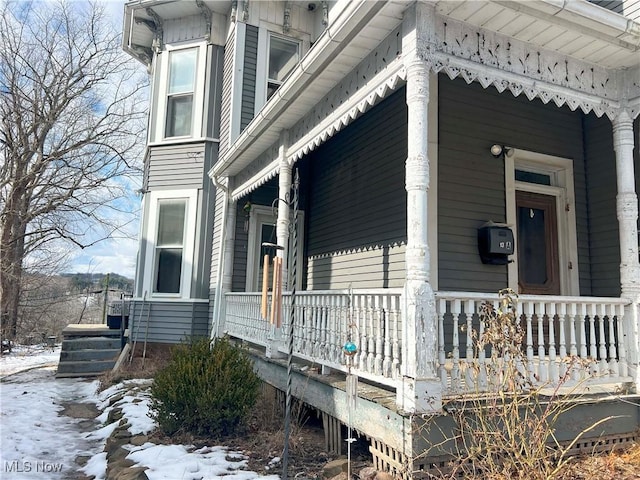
(258, 217)
(560, 170)
(163, 93)
(262, 67)
(191, 197)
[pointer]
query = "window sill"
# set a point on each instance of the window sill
(181, 141)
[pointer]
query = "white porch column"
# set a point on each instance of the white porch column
(283, 222)
(627, 206)
(420, 390)
(627, 213)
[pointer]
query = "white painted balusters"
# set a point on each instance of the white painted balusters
(582, 334)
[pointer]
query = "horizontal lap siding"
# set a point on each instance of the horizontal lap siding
(265, 195)
(249, 76)
(356, 224)
(176, 166)
(225, 104)
(628, 8)
(471, 181)
(169, 322)
(605, 239)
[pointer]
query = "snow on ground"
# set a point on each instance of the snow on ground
(37, 442)
(25, 357)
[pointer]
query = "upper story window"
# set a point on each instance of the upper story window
(180, 92)
(284, 55)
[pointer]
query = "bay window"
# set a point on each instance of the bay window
(169, 245)
(180, 92)
(168, 263)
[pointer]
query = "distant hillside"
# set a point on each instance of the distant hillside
(97, 281)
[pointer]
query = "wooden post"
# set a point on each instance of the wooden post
(420, 390)
(264, 307)
(627, 213)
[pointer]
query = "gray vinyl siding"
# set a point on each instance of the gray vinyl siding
(605, 239)
(204, 231)
(218, 222)
(177, 166)
(227, 83)
(249, 76)
(214, 90)
(356, 214)
(168, 322)
(184, 28)
(471, 181)
(263, 196)
(240, 251)
(628, 8)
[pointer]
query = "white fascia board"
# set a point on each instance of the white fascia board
(331, 42)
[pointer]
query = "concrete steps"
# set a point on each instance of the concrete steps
(88, 350)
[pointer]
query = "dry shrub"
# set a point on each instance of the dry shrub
(508, 431)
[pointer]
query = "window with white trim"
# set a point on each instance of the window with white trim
(277, 57)
(170, 238)
(180, 92)
(284, 55)
(169, 252)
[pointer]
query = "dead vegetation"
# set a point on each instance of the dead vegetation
(262, 437)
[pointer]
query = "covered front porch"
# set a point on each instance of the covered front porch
(397, 174)
(587, 335)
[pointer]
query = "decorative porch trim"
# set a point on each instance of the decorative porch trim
(257, 180)
(490, 58)
(261, 170)
(375, 90)
(378, 73)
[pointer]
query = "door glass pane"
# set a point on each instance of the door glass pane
(182, 70)
(171, 222)
(532, 250)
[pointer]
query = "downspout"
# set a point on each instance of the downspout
(223, 233)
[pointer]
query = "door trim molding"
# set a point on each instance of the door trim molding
(561, 172)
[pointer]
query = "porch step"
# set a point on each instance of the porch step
(85, 368)
(93, 343)
(88, 354)
(88, 350)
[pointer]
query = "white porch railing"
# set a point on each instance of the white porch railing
(324, 320)
(557, 329)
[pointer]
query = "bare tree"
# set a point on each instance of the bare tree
(72, 111)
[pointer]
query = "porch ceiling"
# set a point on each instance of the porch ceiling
(576, 28)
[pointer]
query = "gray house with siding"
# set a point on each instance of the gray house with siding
(404, 129)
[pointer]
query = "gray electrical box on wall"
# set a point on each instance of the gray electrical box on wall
(495, 243)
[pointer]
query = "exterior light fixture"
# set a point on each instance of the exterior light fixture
(496, 150)
(247, 213)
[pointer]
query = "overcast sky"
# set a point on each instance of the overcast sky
(118, 255)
